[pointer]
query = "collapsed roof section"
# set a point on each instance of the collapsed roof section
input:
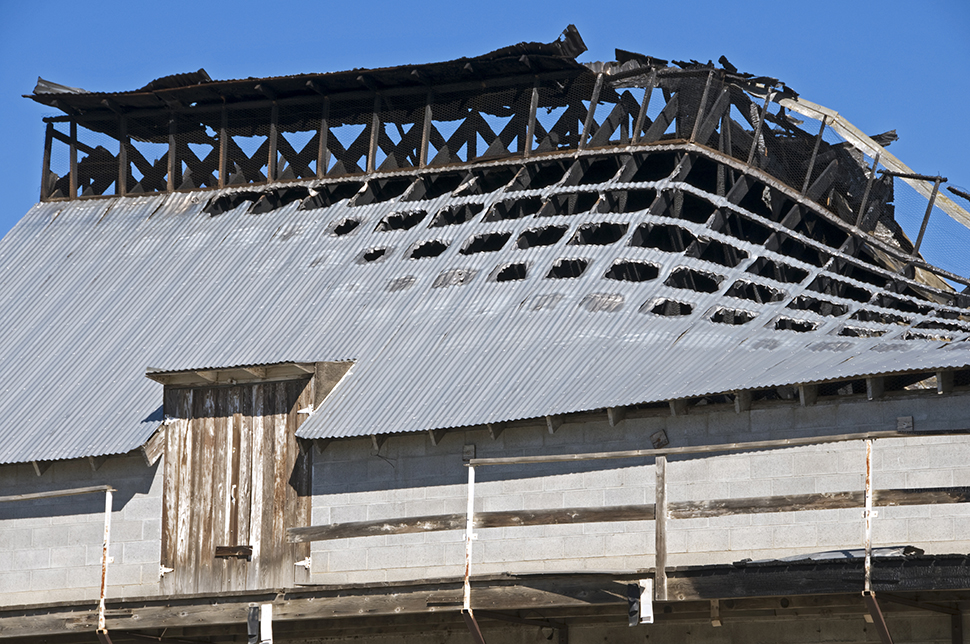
(487, 240)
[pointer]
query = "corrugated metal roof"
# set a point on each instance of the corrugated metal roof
(96, 291)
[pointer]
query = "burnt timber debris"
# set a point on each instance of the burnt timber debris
(492, 248)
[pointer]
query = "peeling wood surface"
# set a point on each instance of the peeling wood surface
(234, 476)
(675, 510)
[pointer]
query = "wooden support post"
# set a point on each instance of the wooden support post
(761, 122)
(172, 152)
(699, 116)
(594, 99)
(811, 160)
(876, 618)
(531, 125)
(377, 441)
(678, 407)
(323, 151)
(553, 423)
(121, 187)
(926, 217)
(436, 435)
(40, 467)
(375, 125)
(742, 401)
(644, 106)
(495, 430)
(715, 613)
(868, 515)
(274, 126)
(72, 182)
(956, 628)
(660, 530)
(944, 382)
(45, 170)
(875, 387)
(865, 195)
(807, 395)
(223, 145)
(426, 130)
(615, 415)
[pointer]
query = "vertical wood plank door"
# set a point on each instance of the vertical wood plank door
(234, 476)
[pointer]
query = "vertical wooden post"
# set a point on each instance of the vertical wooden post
(660, 530)
(865, 195)
(811, 161)
(45, 171)
(644, 106)
(72, 182)
(761, 122)
(530, 128)
(274, 119)
(926, 217)
(426, 131)
(121, 187)
(172, 152)
(594, 99)
(374, 134)
(703, 105)
(223, 145)
(323, 152)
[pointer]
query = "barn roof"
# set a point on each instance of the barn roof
(469, 293)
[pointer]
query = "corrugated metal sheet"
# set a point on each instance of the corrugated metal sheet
(95, 292)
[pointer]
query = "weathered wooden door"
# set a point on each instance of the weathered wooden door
(235, 479)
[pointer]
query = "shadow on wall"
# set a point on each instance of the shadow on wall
(127, 474)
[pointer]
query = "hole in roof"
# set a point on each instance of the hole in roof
(906, 306)
(486, 180)
(932, 324)
(843, 387)
(401, 220)
(653, 167)
(598, 234)
(568, 204)
(699, 281)
(431, 248)
(777, 271)
(732, 316)
(379, 190)
(432, 187)
(513, 209)
(818, 229)
(225, 203)
(599, 170)
(828, 286)
(691, 207)
(665, 237)
(667, 308)
(451, 215)
(860, 332)
(623, 201)
(755, 292)
(703, 174)
(453, 277)
(935, 337)
(822, 307)
(373, 255)
(864, 315)
(546, 236)
(541, 301)
(740, 227)
(858, 273)
(712, 250)
(485, 243)
(602, 302)
(511, 272)
(568, 268)
(790, 324)
(785, 245)
(539, 175)
(274, 199)
(910, 382)
(345, 226)
(631, 271)
(330, 193)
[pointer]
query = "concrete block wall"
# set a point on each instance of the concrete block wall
(50, 549)
(411, 477)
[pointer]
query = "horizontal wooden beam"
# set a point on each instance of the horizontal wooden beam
(56, 493)
(646, 512)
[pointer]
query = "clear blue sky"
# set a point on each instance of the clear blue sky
(893, 64)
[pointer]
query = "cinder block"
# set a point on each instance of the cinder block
(839, 535)
(124, 531)
(12, 582)
(49, 536)
(140, 508)
(708, 540)
(48, 579)
(812, 464)
(36, 559)
(12, 538)
(933, 529)
(840, 482)
(625, 496)
(139, 552)
(84, 534)
(348, 560)
(348, 513)
(87, 577)
(67, 556)
(424, 556)
(542, 500)
(795, 536)
(929, 478)
(750, 538)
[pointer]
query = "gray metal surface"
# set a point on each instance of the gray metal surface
(92, 293)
